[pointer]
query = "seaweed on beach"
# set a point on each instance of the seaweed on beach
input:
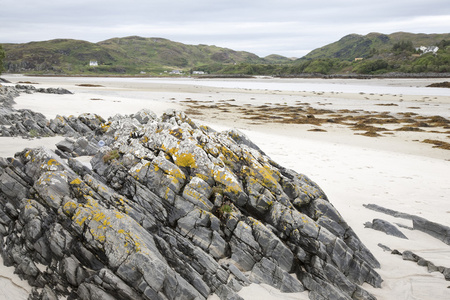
(409, 128)
(89, 85)
(317, 130)
(370, 133)
(387, 104)
(444, 84)
(438, 144)
(365, 123)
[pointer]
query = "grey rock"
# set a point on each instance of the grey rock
(83, 147)
(241, 257)
(112, 283)
(12, 188)
(241, 139)
(388, 211)
(59, 91)
(446, 273)
(89, 291)
(48, 294)
(218, 247)
(235, 285)
(52, 187)
(225, 292)
(70, 266)
(384, 247)
(408, 255)
(59, 239)
(66, 145)
(436, 230)
(144, 116)
(238, 274)
(386, 227)
(269, 273)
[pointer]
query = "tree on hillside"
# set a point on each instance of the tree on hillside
(2, 57)
(443, 44)
(371, 67)
(403, 46)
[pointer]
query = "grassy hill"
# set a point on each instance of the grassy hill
(379, 53)
(362, 46)
(129, 55)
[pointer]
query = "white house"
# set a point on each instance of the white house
(93, 63)
(424, 49)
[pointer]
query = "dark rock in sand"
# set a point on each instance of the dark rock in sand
(29, 89)
(439, 231)
(431, 267)
(384, 247)
(386, 227)
(434, 229)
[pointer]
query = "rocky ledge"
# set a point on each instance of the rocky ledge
(168, 209)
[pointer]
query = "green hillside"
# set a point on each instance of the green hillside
(55, 56)
(363, 46)
(129, 55)
(377, 53)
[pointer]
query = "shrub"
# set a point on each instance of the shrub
(371, 66)
(403, 46)
(225, 208)
(111, 155)
(33, 133)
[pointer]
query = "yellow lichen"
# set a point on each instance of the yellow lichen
(186, 160)
(119, 215)
(105, 126)
(76, 181)
(202, 176)
(52, 162)
(69, 206)
(178, 133)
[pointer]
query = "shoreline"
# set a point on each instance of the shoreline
(243, 76)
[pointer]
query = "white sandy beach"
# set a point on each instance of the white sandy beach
(395, 171)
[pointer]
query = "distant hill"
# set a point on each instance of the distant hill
(362, 46)
(378, 54)
(130, 55)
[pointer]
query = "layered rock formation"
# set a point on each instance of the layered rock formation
(26, 123)
(171, 210)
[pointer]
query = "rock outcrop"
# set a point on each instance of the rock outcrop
(29, 124)
(29, 89)
(171, 210)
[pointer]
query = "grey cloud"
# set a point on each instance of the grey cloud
(286, 27)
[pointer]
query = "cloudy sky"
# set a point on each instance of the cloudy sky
(288, 27)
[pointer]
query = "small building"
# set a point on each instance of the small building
(178, 72)
(93, 63)
(429, 49)
(198, 72)
(358, 58)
